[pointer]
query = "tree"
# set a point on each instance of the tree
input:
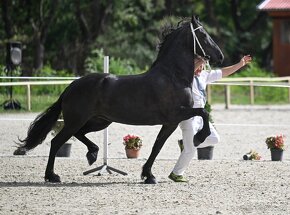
(64, 34)
(29, 22)
(44, 14)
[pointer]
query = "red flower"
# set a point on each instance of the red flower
(275, 142)
(132, 142)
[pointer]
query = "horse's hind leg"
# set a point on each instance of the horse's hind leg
(93, 149)
(163, 135)
(64, 135)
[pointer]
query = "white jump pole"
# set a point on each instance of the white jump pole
(105, 166)
(106, 131)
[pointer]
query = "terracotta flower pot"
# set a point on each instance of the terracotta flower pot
(276, 154)
(132, 153)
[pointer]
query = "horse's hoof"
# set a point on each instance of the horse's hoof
(200, 137)
(92, 157)
(53, 178)
(20, 151)
(150, 181)
(196, 141)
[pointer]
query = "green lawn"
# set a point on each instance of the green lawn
(241, 95)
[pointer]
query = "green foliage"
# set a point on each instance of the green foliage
(262, 94)
(276, 142)
(38, 102)
(41, 96)
(253, 70)
(244, 34)
(95, 63)
(2, 67)
(126, 30)
(240, 94)
(132, 142)
(4, 73)
(82, 31)
(208, 109)
(48, 71)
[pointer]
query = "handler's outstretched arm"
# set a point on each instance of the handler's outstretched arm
(232, 69)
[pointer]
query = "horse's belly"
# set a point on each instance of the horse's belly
(142, 116)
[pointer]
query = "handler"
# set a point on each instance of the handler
(191, 126)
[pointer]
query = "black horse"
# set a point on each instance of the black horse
(161, 96)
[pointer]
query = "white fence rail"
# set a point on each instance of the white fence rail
(28, 85)
(252, 82)
(38, 78)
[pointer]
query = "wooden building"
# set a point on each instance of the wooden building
(279, 10)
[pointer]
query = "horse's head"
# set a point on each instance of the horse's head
(203, 44)
(179, 45)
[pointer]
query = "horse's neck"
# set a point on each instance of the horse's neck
(178, 65)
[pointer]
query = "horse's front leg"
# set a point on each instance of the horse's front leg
(205, 131)
(91, 125)
(164, 133)
(201, 135)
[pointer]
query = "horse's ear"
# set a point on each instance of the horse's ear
(194, 19)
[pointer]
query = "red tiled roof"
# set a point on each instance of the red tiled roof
(270, 5)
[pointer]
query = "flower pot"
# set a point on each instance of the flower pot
(205, 153)
(276, 154)
(64, 150)
(132, 153)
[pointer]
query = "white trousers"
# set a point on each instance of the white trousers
(189, 128)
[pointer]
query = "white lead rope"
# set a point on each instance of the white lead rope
(195, 39)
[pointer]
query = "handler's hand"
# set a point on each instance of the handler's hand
(246, 60)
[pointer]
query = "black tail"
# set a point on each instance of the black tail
(40, 127)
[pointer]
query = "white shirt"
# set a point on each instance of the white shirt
(204, 79)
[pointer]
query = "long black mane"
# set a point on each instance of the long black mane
(168, 27)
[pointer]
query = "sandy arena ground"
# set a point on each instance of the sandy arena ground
(224, 185)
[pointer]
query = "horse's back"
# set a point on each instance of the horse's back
(83, 94)
(133, 99)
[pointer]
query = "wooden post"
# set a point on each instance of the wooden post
(227, 96)
(252, 93)
(208, 92)
(28, 97)
(289, 91)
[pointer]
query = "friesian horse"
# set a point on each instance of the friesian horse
(160, 96)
